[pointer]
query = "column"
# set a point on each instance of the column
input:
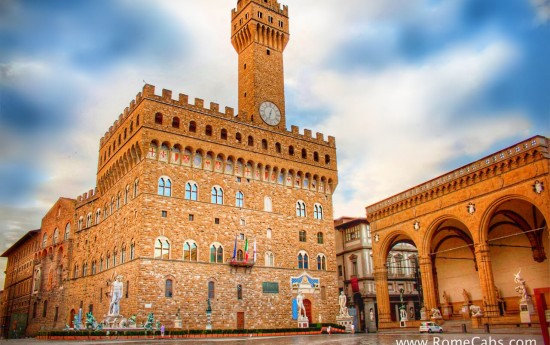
(428, 286)
(382, 297)
(487, 282)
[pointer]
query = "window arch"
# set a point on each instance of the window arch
(165, 186)
(168, 288)
(126, 194)
(211, 290)
(318, 211)
(264, 144)
(302, 236)
(75, 271)
(176, 122)
(269, 233)
(132, 250)
(278, 147)
(190, 251)
(269, 259)
(291, 150)
(239, 199)
(268, 204)
(67, 231)
(123, 254)
(44, 240)
(321, 262)
(304, 153)
(158, 118)
(118, 201)
(191, 191)
(89, 218)
(94, 267)
(250, 141)
(162, 248)
(55, 236)
(97, 216)
(192, 127)
(223, 134)
(208, 130)
(300, 208)
(136, 187)
(320, 239)
(327, 159)
(238, 137)
(303, 260)
(85, 269)
(216, 253)
(316, 156)
(217, 195)
(240, 255)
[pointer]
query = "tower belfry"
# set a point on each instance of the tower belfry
(260, 33)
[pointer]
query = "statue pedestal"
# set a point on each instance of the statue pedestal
(403, 323)
(178, 323)
(465, 311)
(476, 322)
(423, 314)
(303, 322)
(346, 321)
(437, 319)
(526, 309)
(447, 311)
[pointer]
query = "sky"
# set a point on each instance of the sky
(410, 89)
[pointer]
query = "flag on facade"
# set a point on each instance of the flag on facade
(235, 249)
(254, 250)
(246, 250)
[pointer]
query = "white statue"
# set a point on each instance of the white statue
(436, 314)
(342, 301)
(116, 295)
(476, 310)
(403, 314)
(300, 301)
(521, 289)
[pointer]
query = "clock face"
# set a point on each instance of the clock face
(270, 113)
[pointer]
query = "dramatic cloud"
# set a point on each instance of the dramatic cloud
(409, 88)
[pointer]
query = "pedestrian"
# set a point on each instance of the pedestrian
(352, 328)
(162, 331)
(328, 329)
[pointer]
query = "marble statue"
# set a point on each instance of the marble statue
(342, 301)
(116, 295)
(436, 314)
(300, 301)
(476, 310)
(521, 289)
(403, 314)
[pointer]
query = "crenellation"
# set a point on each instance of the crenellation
(320, 137)
(307, 134)
(295, 130)
(183, 99)
(215, 107)
(230, 112)
(148, 90)
(167, 95)
(199, 103)
(331, 141)
(126, 112)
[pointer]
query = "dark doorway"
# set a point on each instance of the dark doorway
(307, 305)
(240, 320)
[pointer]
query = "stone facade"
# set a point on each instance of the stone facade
(474, 228)
(178, 184)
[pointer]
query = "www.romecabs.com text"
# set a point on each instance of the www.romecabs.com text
(471, 341)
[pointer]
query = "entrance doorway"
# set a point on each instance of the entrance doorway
(71, 320)
(240, 320)
(307, 305)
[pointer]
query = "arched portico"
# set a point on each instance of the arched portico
(476, 225)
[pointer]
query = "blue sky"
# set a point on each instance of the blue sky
(409, 88)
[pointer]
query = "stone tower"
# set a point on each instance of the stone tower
(259, 35)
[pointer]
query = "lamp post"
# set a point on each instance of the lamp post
(208, 316)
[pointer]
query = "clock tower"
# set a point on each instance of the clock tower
(259, 34)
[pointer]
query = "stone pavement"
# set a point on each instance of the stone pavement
(400, 338)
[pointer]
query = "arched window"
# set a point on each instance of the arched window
(162, 248)
(75, 271)
(291, 150)
(250, 141)
(192, 127)
(240, 256)
(264, 144)
(85, 269)
(45, 310)
(168, 292)
(94, 267)
(216, 253)
(123, 255)
(300, 208)
(303, 260)
(89, 220)
(320, 238)
(165, 186)
(238, 137)
(55, 236)
(269, 233)
(316, 156)
(176, 122)
(191, 190)
(304, 153)
(97, 216)
(118, 201)
(190, 251)
(318, 211)
(268, 204)
(239, 199)
(302, 236)
(136, 187)
(132, 251)
(108, 260)
(126, 194)
(208, 130)
(321, 262)
(327, 159)
(278, 147)
(158, 118)
(217, 195)
(223, 134)
(101, 264)
(211, 292)
(115, 254)
(67, 231)
(269, 259)
(44, 240)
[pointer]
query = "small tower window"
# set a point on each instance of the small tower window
(158, 118)
(268, 52)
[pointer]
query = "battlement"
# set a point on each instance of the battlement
(87, 197)
(271, 4)
(148, 92)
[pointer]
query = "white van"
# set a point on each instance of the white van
(430, 327)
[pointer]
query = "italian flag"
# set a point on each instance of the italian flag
(246, 250)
